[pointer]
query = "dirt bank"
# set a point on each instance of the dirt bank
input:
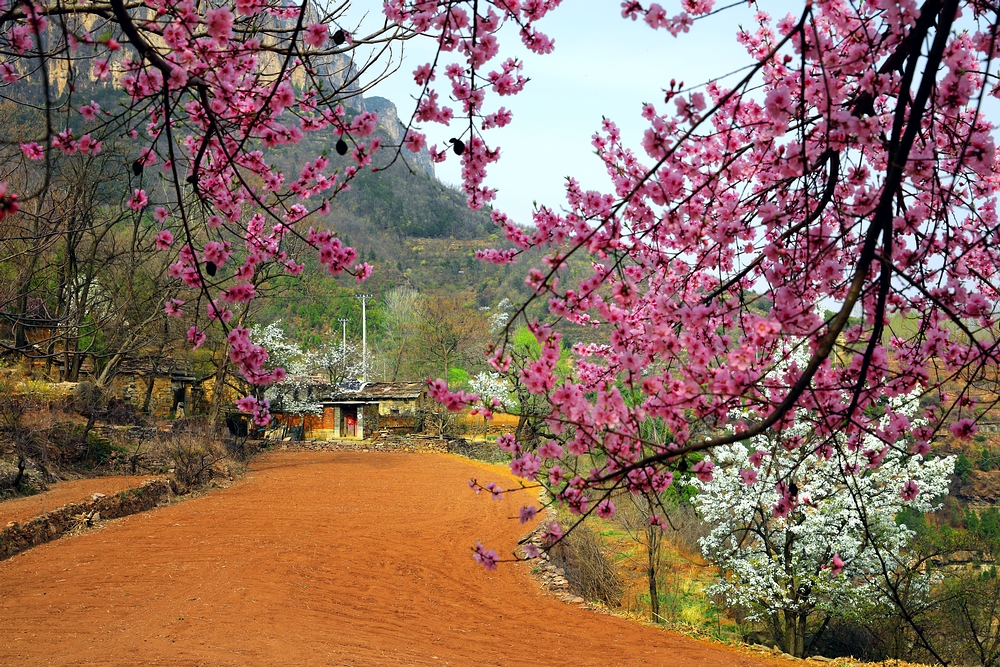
(312, 559)
(61, 493)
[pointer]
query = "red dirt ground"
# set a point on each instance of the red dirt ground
(61, 493)
(313, 558)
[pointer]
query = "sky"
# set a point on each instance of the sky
(602, 66)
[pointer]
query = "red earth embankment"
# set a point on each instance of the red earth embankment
(313, 559)
(62, 493)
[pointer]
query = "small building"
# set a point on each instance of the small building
(158, 386)
(349, 411)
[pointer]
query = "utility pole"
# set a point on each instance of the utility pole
(343, 346)
(364, 334)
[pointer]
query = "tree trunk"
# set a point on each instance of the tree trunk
(654, 597)
(652, 569)
(800, 637)
(219, 387)
(22, 463)
(795, 633)
(791, 626)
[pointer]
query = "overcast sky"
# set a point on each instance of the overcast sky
(602, 65)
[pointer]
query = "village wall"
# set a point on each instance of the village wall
(132, 389)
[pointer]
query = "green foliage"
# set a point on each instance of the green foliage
(100, 449)
(971, 522)
(458, 378)
(912, 519)
(963, 467)
(987, 461)
(525, 345)
(989, 526)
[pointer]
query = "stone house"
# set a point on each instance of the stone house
(350, 411)
(159, 387)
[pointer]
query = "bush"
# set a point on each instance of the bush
(100, 450)
(590, 569)
(21, 435)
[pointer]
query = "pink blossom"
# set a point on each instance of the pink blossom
(415, 141)
(217, 312)
(196, 337)
(495, 491)
(526, 465)
(219, 25)
(87, 146)
(258, 408)
(423, 74)
(101, 70)
(216, 252)
(453, 401)
(363, 271)
(783, 507)
(528, 513)
(606, 509)
(703, 469)
(836, 565)
(147, 157)
(8, 202)
(8, 73)
(749, 476)
(164, 239)
(138, 200)
(910, 491)
(964, 429)
(173, 308)
(552, 533)
(89, 111)
(33, 151)
(486, 558)
(239, 293)
(160, 215)
(316, 35)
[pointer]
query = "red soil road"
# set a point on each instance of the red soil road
(313, 558)
(62, 493)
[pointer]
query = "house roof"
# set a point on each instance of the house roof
(375, 391)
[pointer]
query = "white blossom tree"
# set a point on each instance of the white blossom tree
(490, 386)
(802, 525)
(281, 353)
(336, 362)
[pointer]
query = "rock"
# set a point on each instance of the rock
(821, 658)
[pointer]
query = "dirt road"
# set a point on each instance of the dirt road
(313, 559)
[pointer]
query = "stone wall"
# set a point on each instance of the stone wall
(132, 389)
(410, 445)
(18, 537)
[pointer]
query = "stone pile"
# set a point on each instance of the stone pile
(549, 576)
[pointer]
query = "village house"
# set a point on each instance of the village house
(313, 409)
